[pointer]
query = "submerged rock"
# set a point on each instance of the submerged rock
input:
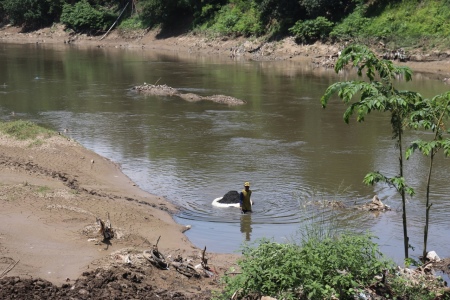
(164, 90)
(374, 205)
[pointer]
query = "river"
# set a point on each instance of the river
(291, 150)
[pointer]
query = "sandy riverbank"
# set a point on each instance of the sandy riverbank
(50, 195)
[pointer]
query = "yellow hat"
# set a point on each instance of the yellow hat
(247, 183)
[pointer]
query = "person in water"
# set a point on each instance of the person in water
(244, 197)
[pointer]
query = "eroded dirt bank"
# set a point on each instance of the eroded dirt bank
(51, 192)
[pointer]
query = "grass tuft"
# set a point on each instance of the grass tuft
(25, 130)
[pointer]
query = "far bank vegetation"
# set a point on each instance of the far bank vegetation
(391, 23)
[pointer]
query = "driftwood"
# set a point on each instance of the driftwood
(375, 205)
(8, 269)
(208, 271)
(164, 90)
(186, 269)
(157, 241)
(204, 259)
(106, 228)
(156, 257)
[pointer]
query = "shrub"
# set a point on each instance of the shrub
(238, 19)
(131, 23)
(320, 268)
(205, 13)
(154, 12)
(84, 17)
(312, 30)
(351, 27)
(31, 14)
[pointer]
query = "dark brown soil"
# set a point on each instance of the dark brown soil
(119, 282)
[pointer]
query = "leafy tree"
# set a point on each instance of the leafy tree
(32, 14)
(378, 95)
(431, 117)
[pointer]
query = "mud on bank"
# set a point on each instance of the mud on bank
(51, 192)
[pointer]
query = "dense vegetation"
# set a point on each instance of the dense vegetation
(319, 268)
(328, 266)
(419, 23)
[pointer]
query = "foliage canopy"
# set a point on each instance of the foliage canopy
(395, 23)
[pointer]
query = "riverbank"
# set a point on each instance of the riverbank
(52, 190)
(433, 63)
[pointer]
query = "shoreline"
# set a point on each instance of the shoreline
(53, 189)
(433, 63)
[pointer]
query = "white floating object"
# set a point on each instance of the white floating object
(218, 204)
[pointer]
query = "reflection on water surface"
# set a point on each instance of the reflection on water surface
(291, 149)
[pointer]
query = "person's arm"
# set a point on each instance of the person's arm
(241, 199)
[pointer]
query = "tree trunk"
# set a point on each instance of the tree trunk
(427, 211)
(402, 192)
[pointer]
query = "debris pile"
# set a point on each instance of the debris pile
(164, 90)
(125, 274)
(374, 205)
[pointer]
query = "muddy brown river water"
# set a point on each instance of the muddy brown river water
(291, 150)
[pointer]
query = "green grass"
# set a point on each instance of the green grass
(132, 23)
(43, 189)
(408, 23)
(25, 130)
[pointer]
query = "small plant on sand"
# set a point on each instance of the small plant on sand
(43, 189)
